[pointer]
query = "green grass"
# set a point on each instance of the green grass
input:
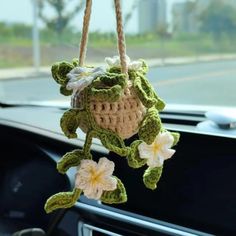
(17, 51)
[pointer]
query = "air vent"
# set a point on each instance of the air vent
(90, 230)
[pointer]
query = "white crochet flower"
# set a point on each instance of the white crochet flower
(81, 77)
(94, 178)
(158, 151)
(115, 62)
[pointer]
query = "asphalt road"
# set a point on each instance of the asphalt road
(212, 83)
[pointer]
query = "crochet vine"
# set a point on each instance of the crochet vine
(108, 87)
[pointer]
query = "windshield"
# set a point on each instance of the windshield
(188, 45)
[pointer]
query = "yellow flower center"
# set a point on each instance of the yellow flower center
(155, 148)
(96, 177)
(85, 74)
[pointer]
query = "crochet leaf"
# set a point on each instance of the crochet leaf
(144, 67)
(152, 176)
(116, 196)
(65, 91)
(116, 70)
(150, 126)
(107, 94)
(133, 158)
(75, 62)
(71, 159)
(176, 137)
(60, 70)
(69, 123)
(160, 104)
(144, 91)
(113, 142)
(62, 200)
(111, 79)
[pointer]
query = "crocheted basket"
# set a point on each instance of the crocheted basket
(122, 117)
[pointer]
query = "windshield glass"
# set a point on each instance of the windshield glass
(188, 45)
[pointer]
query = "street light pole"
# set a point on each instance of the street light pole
(35, 35)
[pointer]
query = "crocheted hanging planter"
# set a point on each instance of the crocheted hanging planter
(110, 104)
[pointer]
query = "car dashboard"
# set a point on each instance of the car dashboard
(195, 196)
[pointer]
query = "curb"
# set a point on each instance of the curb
(29, 72)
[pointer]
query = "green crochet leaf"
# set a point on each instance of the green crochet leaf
(115, 70)
(55, 76)
(70, 122)
(160, 104)
(144, 91)
(111, 79)
(176, 137)
(113, 142)
(107, 94)
(65, 91)
(132, 75)
(62, 200)
(71, 159)
(133, 158)
(64, 69)
(60, 70)
(116, 196)
(144, 67)
(75, 62)
(152, 176)
(150, 126)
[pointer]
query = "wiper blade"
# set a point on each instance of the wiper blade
(5, 105)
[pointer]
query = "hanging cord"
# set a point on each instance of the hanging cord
(120, 35)
(121, 38)
(84, 37)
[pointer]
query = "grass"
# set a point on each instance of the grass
(17, 51)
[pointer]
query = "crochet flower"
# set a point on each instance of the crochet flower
(81, 77)
(158, 151)
(115, 62)
(94, 178)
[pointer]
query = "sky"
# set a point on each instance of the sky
(102, 19)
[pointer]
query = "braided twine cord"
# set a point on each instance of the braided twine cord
(123, 116)
(121, 38)
(84, 37)
(120, 35)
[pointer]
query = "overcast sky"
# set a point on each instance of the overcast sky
(102, 17)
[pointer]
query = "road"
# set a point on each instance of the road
(212, 83)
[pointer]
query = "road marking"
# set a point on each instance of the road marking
(192, 78)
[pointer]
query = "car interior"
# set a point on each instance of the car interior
(195, 195)
(189, 53)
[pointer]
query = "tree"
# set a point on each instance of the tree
(15, 30)
(218, 18)
(129, 14)
(162, 33)
(62, 17)
(185, 16)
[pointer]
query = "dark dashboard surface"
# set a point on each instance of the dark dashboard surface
(197, 189)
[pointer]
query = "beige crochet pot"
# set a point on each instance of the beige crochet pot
(123, 117)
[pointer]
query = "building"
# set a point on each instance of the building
(185, 14)
(152, 15)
